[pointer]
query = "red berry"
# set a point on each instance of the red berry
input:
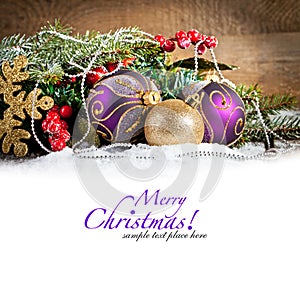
(183, 42)
(211, 42)
(73, 79)
(92, 78)
(194, 35)
(57, 144)
(161, 39)
(111, 66)
(64, 125)
(58, 83)
(66, 111)
(128, 61)
(202, 37)
(45, 125)
(181, 34)
(64, 135)
(52, 116)
(201, 49)
(169, 46)
(55, 108)
(54, 126)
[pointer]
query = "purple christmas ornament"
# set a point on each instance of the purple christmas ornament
(221, 108)
(117, 105)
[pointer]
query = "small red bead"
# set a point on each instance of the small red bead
(184, 42)
(64, 125)
(202, 37)
(169, 46)
(66, 111)
(73, 80)
(57, 144)
(64, 135)
(45, 125)
(92, 78)
(201, 49)
(161, 39)
(55, 108)
(211, 42)
(54, 127)
(194, 35)
(52, 116)
(180, 34)
(111, 66)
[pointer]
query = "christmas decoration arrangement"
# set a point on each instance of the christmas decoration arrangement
(124, 87)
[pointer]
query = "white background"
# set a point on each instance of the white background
(251, 219)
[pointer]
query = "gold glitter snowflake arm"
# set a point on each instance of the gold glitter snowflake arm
(18, 105)
(14, 138)
(44, 103)
(12, 75)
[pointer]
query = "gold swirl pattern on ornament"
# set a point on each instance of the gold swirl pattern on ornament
(239, 121)
(92, 95)
(97, 111)
(228, 120)
(132, 127)
(138, 92)
(96, 92)
(104, 135)
(212, 134)
(142, 89)
(138, 121)
(118, 107)
(102, 107)
(119, 94)
(147, 82)
(224, 102)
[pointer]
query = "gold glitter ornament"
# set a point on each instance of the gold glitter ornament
(173, 122)
(18, 105)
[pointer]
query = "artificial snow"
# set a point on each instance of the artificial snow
(250, 217)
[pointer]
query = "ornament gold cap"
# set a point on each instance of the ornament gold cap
(151, 97)
(212, 76)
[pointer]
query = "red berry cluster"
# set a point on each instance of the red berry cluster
(57, 128)
(185, 39)
(92, 78)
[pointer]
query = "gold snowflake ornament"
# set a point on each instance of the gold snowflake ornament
(19, 105)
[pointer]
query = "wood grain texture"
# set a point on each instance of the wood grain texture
(260, 36)
(272, 60)
(156, 16)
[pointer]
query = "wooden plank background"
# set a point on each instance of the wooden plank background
(260, 36)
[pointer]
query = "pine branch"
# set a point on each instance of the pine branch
(49, 55)
(273, 109)
(278, 102)
(288, 127)
(14, 45)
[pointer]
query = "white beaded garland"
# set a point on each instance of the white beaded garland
(32, 120)
(103, 153)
